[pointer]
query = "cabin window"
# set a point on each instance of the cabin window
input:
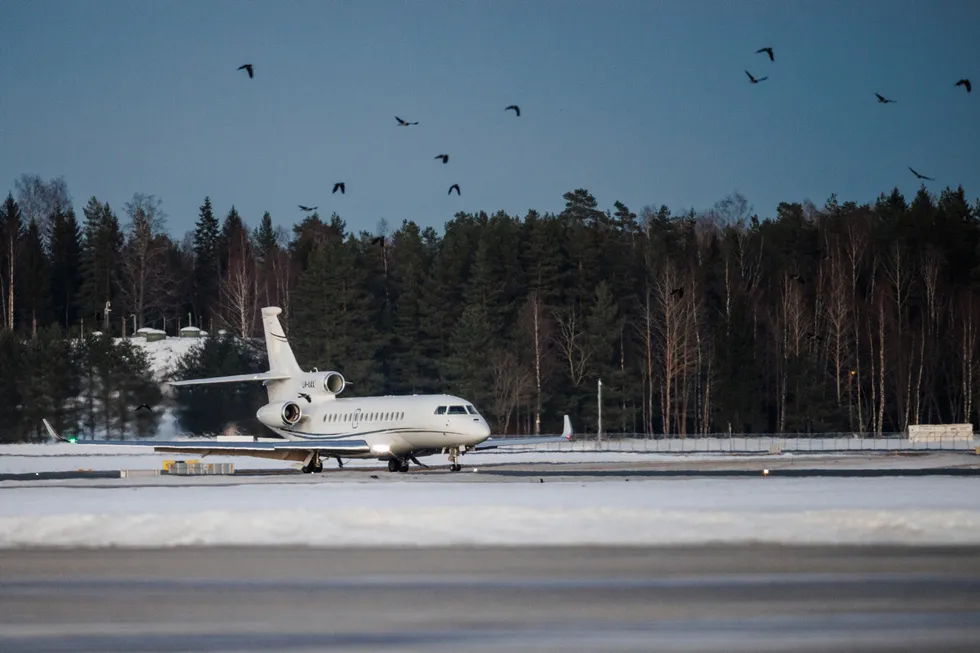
(441, 410)
(471, 410)
(457, 410)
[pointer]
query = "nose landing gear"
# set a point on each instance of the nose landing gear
(454, 465)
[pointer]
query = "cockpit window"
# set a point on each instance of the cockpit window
(471, 410)
(441, 410)
(457, 410)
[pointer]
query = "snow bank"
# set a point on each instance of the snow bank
(391, 511)
(164, 353)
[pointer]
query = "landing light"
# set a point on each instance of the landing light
(380, 448)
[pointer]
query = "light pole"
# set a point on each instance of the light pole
(599, 426)
(105, 313)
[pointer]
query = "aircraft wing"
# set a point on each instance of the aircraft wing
(237, 378)
(232, 448)
(493, 443)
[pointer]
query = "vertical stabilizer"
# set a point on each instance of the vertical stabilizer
(281, 357)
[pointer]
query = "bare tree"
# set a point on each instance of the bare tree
(144, 254)
(510, 382)
(239, 288)
(573, 344)
(838, 315)
(673, 320)
(536, 323)
(898, 272)
(39, 200)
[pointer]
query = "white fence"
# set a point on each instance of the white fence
(764, 444)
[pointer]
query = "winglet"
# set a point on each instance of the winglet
(54, 434)
(567, 432)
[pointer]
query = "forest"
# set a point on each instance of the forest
(846, 317)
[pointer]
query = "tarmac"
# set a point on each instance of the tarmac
(707, 598)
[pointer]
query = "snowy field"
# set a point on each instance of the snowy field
(393, 511)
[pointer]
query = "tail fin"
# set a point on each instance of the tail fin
(281, 357)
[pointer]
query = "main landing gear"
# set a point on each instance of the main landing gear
(397, 465)
(454, 465)
(313, 465)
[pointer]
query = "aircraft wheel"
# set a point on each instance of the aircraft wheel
(403, 467)
(306, 469)
(318, 467)
(455, 467)
(394, 465)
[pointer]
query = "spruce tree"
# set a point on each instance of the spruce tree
(207, 269)
(11, 233)
(33, 288)
(101, 262)
(265, 239)
(66, 254)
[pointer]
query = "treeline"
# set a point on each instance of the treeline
(846, 317)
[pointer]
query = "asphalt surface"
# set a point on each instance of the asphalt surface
(710, 598)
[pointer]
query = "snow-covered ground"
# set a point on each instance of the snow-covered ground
(165, 353)
(393, 511)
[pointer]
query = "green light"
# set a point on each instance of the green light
(73, 440)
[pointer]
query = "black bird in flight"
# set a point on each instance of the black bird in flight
(307, 208)
(307, 397)
(146, 406)
(380, 240)
(248, 67)
(339, 186)
(405, 124)
(754, 80)
(921, 176)
(456, 186)
(883, 99)
(678, 292)
(444, 157)
(516, 109)
(966, 83)
(767, 51)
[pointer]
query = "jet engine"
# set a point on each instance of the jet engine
(334, 383)
(286, 413)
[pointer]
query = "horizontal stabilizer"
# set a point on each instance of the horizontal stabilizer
(493, 443)
(237, 378)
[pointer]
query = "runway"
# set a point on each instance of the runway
(701, 598)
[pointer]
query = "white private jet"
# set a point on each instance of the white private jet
(313, 423)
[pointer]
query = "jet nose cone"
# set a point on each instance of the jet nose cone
(483, 429)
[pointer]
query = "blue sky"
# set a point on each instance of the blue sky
(643, 102)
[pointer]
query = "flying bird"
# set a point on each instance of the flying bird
(921, 176)
(444, 157)
(966, 83)
(883, 99)
(754, 80)
(248, 68)
(380, 240)
(146, 406)
(307, 208)
(516, 109)
(339, 186)
(404, 123)
(767, 51)
(456, 186)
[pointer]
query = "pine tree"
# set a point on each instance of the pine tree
(66, 255)
(207, 268)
